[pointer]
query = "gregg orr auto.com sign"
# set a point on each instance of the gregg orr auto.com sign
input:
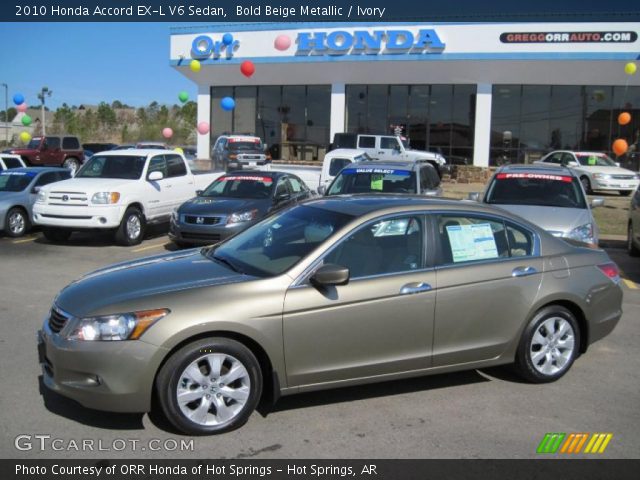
(568, 37)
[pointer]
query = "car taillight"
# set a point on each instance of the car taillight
(610, 270)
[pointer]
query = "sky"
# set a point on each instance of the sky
(89, 63)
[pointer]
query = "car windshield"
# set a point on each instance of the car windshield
(536, 189)
(240, 186)
(240, 145)
(373, 180)
(113, 166)
(277, 243)
(34, 142)
(595, 160)
(15, 181)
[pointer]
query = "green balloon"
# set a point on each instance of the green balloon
(26, 120)
(183, 96)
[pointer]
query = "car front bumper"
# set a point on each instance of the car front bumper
(194, 234)
(98, 216)
(115, 376)
(613, 184)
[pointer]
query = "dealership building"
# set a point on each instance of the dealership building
(480, 93)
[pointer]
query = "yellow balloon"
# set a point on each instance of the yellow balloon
(630, 68)
(195, 66)
(178, 149)
(25, 137)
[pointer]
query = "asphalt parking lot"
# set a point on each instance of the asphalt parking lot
(475, 414)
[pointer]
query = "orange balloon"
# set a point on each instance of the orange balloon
(624, 118)
(620, 147)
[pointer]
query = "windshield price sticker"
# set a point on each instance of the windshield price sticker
(472, 242)
(246, 178)
(377, 182)
(534, 176)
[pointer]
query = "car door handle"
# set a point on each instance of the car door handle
(523, 271)
(381, 152)
(415, 287)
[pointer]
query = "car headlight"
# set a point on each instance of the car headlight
(583, 233)
(242, 217)
(105, 197)
(602, 176)
(42, 197)
(121, 326)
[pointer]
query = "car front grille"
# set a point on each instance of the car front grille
(213, 237)
(68, 199)
(57, 320)
(623, 177)
(200, 220)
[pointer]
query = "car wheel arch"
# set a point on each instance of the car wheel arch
(577, 312)
(271, 379)
(137, 205)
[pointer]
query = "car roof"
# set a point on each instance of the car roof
(137, 152)
(579, 152)
(537, 168)
(36, 169)
(264, 173)
(395, 164)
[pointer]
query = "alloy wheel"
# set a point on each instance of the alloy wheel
(552, 346)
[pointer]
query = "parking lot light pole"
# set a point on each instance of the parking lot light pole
(6, 113)
(44, 93)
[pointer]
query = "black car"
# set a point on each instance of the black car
(232, 203)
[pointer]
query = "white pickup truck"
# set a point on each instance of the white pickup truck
(120, 190)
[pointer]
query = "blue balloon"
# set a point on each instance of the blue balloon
(228, 103)
(227, 39)
(18, 99)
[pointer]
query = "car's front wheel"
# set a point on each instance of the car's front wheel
(16, 222)
(132, 228)
(209, 386)
(631, 246)
(586, 184)
(549, 345)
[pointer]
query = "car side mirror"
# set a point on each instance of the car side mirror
(474, 196)
(199, 193)
(155, 176)
(597, 202)
(321, 189)
(330, 274)
(36, 190)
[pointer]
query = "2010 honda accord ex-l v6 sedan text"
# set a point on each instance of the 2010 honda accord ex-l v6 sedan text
(338, 291)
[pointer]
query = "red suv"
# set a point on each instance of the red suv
(53, 150)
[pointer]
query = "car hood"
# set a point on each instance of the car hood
(606, 170)
(208, 205)
(423, 154)
(140, 278)
(89, 184)
(553, 219)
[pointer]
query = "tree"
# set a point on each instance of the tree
(12, 114)
(106, 115)
(116, 104)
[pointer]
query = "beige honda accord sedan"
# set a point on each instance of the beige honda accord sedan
(337, 291)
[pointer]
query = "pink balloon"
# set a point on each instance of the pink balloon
(203, 128)
(282, 42)
(167, 132)
(22, 107)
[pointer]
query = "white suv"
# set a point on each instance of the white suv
(595, 170)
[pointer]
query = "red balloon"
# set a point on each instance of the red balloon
(247, 68)
(620, 147)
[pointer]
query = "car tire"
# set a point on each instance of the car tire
(197, 372)
(16, 223)
(56, 235)
(549, 345)
(586, 184)
(625, 193)
(631, 246)
(72, 164)
(132, 228)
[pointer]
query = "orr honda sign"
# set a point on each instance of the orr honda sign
(342, 42)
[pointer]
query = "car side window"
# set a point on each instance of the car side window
(46, 179)
(296, 185)
(158, 164)
(281, 187)
(429, 178)
(471, 238)
(70, 143)
(337, 164)
(386, 246)
(53, 142)
(175, 166)
(388, 143)
(555, 158)
(12, 162)
(367, 142)
(520, 241)
(567, 157)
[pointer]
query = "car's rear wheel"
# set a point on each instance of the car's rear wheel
(56, 235)
(631, 246)
(132, 228)
(549, 345)
(72, 164)
(209, 386)
(16, 222)
(586, 184)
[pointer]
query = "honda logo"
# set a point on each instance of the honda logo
(200, 220)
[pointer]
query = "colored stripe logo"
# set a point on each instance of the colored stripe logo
(574, 443)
